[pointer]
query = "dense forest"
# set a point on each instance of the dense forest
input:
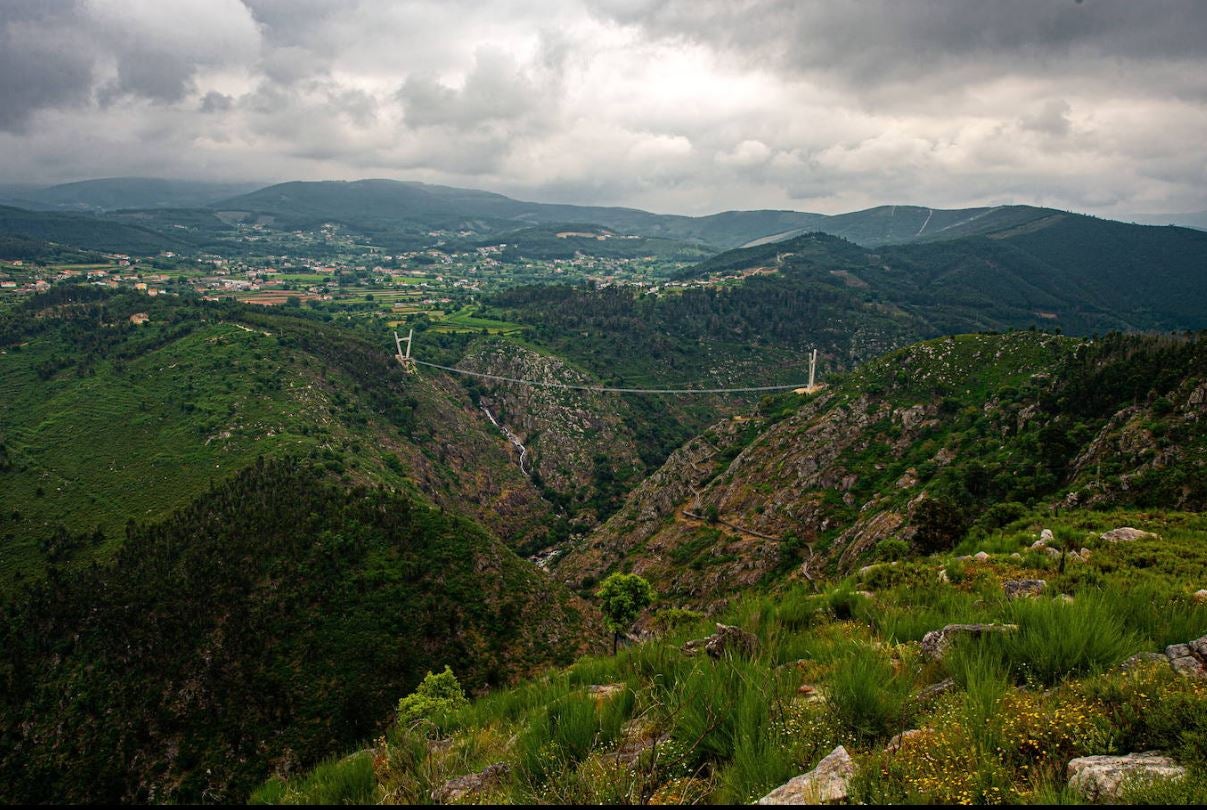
(274, 621)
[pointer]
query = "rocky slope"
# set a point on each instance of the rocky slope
(580, 448)
(917, 446)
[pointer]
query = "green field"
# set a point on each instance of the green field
(464, 320)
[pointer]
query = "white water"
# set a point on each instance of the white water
(510, 436)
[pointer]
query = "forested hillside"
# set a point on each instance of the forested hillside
(103, 420)
(273, 621)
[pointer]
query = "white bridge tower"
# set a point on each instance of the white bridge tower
(405, 359)
(812, 366)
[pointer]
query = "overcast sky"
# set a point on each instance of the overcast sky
(672, 106)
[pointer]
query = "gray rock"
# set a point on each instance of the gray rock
(1101, 777)
(1177, 651)
(1126, 534)
(828, 783)
(1189, 666)
(980, 556)
(1046, 536)
(727, 640)
(1016, 588)
(1199, 647)
(456, 789)
(1200, 596)
(936, 642)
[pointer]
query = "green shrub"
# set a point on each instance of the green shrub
(892, 549)
(1151, 707)
(437, 694)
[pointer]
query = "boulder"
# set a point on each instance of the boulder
(1199, 597)
(462, 786)
(1016, 588)
(1101, 777)
(981, 556)
(826, 784)
(1046, 537)
(936, 642)
(727, 640)
(1126, 534)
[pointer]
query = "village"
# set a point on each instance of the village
(326, 268)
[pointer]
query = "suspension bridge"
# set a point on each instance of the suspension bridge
(408, 362)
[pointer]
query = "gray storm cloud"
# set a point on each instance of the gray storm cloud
(1098, 105)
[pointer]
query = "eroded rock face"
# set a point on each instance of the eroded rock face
(1126, 534)
(828, 783)
(455, 790)
(727, 640)
(1102, 777)
(936, 642)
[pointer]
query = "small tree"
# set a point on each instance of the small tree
(622, 598)
(437, 694)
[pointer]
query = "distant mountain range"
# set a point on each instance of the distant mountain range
(114, 193)
(404, 213)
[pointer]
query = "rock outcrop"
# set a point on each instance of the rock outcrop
(455, 790)
(936, 642)
(1101, 777)
(1126, 534)
(1189, 659)
(828, 783)
(1016, 588)
(728, 640)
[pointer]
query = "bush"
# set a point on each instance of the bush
(940, 524)
(892, 549)
(438, 694)
(1151, 707)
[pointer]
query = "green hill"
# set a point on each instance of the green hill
(84, 231)
(103, 420)
(273, 621)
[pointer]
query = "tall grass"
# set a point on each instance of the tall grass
(867, 696)
(1159, 617)
(984, 679)
(346, 780)
(1058, 640)
(565, 732)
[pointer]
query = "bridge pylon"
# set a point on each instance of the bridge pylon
(408, 364)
